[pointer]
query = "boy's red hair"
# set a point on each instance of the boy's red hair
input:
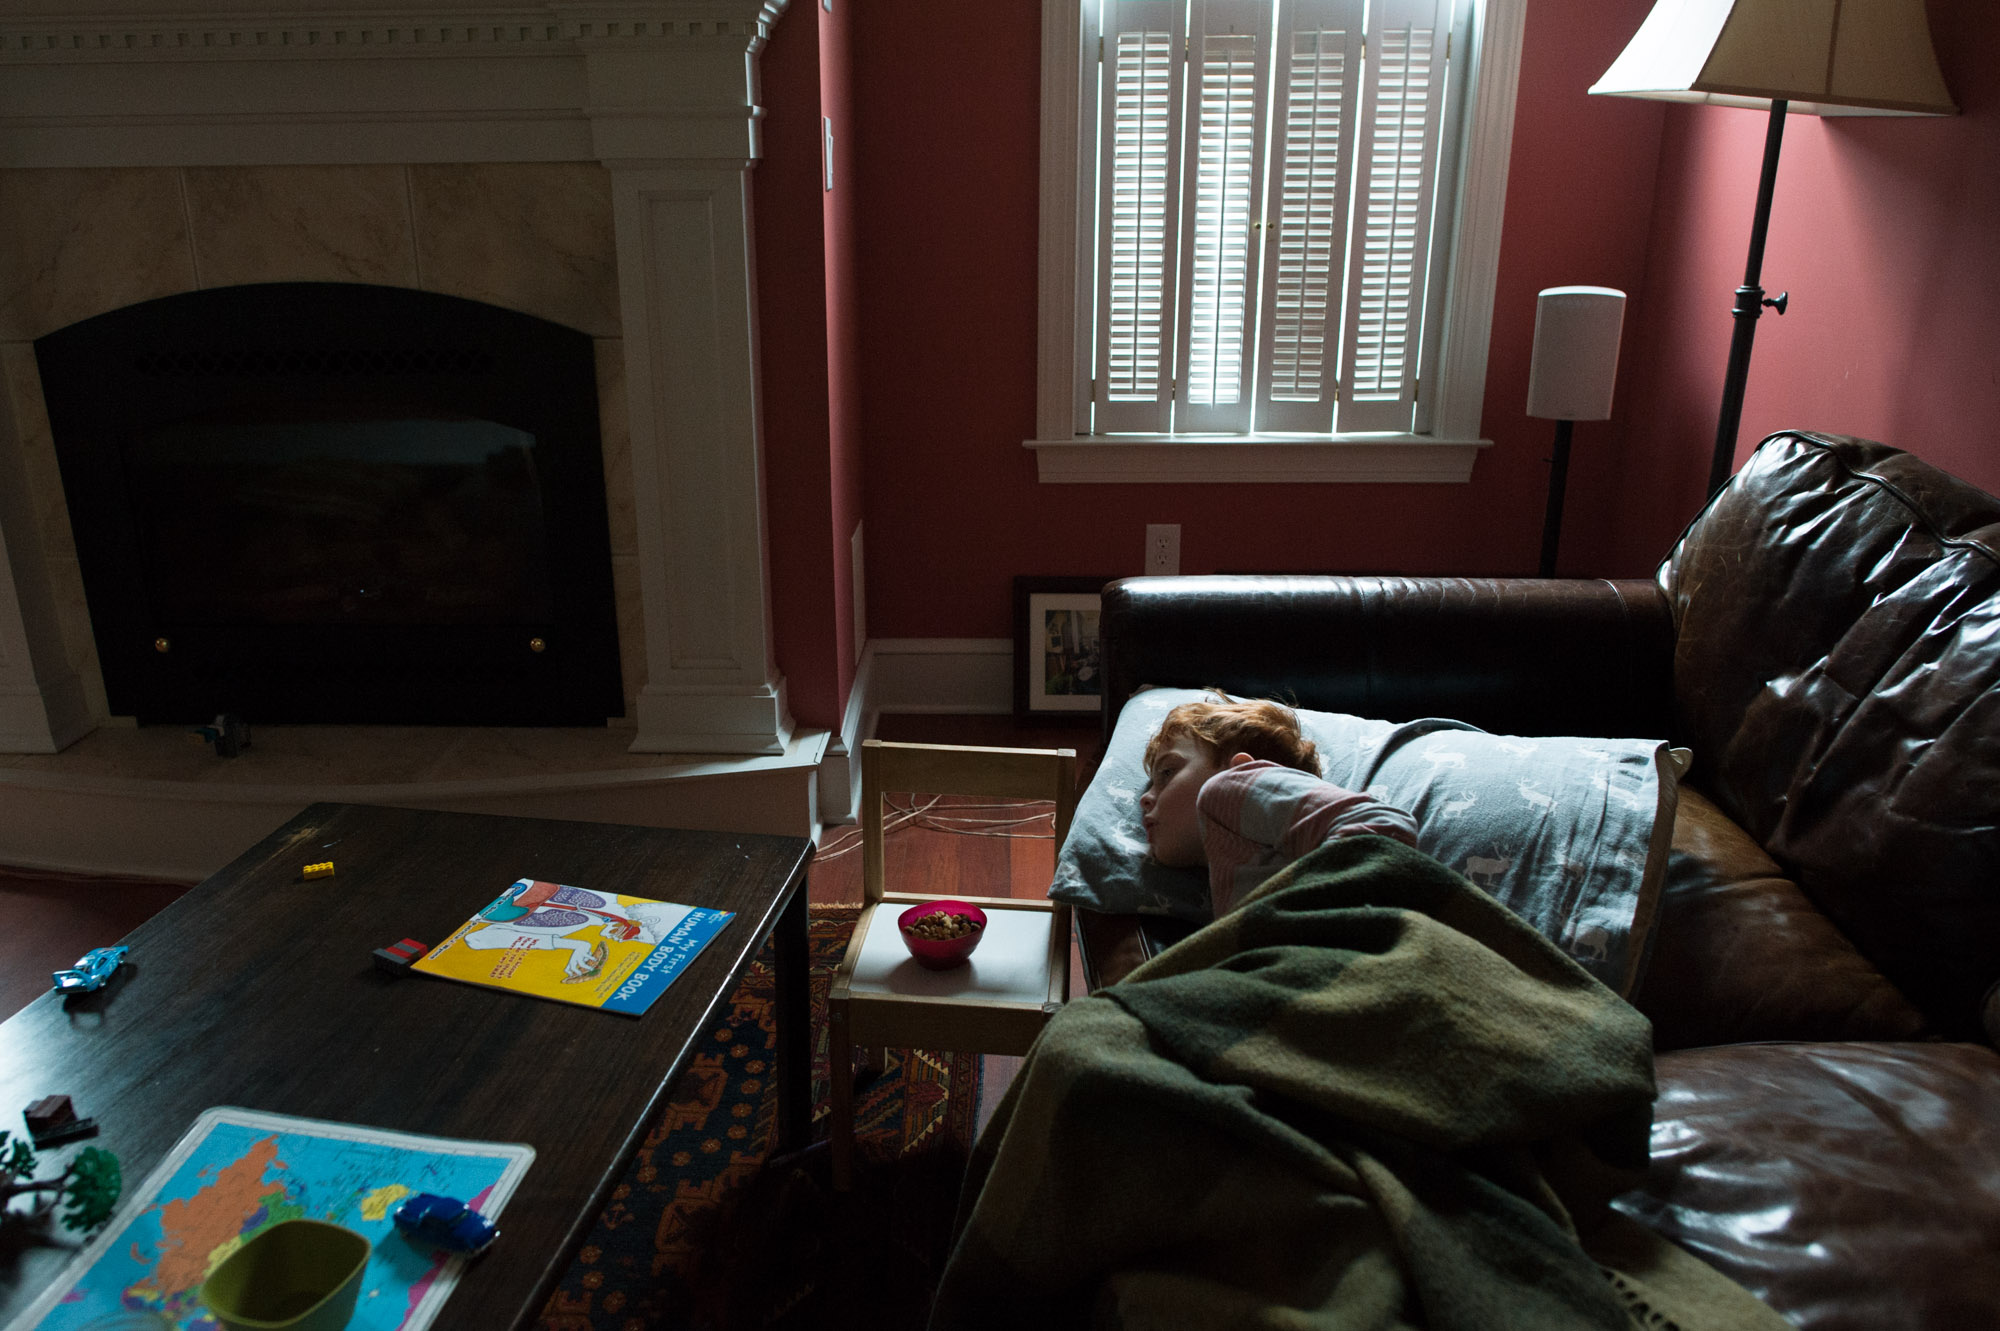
(1228, 726)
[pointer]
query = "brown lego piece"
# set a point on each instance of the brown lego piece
(53, 1119)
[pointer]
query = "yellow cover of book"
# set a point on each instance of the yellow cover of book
(597, 949)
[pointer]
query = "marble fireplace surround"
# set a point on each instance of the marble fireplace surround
(585, 162)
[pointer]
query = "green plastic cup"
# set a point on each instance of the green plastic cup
(300, 1275)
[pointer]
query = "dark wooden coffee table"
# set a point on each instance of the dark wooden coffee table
(257, 989)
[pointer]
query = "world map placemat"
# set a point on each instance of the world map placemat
(236, 1173)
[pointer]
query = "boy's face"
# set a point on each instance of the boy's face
(1173, 829)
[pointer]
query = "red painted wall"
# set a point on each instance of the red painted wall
(1579, 191)
(805, 280)
(791, 285)
(840, 221)
(946, 109)
(899, 324)
(1886, 231)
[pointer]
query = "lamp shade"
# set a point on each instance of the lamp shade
(1823, 57)
(1575, 363)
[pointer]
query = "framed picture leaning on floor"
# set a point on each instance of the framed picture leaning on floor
(1057, 669)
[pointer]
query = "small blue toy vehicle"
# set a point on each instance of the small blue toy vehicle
(446, 1222)
(91, 970)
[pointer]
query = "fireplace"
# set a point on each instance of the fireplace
(331, 502)
(586, 163)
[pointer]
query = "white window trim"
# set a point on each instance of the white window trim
(1445, 455)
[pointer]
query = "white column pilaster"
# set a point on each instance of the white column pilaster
(43, 706)
(688, 295)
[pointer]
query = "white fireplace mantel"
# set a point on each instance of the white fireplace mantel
(663, 93)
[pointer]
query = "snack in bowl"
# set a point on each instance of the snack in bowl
(942, 934)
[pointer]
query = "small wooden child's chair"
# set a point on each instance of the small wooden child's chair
(999, 1000)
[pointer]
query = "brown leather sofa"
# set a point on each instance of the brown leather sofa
(1826, 639)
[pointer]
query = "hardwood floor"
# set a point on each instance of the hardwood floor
(48, 920)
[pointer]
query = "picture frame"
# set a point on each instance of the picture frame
(1058, 672)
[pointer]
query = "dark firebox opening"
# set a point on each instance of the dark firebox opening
(317, 502)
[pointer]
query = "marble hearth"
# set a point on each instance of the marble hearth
(586, 163)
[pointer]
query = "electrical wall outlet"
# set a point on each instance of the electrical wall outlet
(1163, 548)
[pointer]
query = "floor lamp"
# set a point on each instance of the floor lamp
(1570, 378)
(1816, 57)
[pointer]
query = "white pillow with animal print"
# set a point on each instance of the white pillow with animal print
(1569, 833)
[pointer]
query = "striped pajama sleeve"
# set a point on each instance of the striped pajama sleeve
(1259, 817)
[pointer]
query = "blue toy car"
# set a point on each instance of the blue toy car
(446, 1222)
(92, 969)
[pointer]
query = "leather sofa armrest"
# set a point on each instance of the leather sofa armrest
(1520, 656)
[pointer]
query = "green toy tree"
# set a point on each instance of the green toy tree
(89, 1188)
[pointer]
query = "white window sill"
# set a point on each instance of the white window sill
(1252, 459)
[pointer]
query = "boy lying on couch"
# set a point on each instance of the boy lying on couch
(1234, 786)
(1366, 1095)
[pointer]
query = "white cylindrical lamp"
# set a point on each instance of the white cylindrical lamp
(1570, 378)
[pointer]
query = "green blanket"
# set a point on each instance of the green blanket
(1369, 1097)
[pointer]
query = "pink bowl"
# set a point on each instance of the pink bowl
(942, 953)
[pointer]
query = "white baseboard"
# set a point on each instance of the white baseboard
(944, 675)
(932, 676)
(840, 771)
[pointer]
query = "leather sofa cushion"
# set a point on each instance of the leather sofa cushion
(1852, 1187)
(1740, 954)
(1837, 673)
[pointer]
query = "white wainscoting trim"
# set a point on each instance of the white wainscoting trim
(840, 770)
(944, 675)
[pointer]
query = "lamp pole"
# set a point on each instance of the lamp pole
(1552, 516)
(1749, 306)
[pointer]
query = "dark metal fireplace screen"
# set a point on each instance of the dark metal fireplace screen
(321, 502)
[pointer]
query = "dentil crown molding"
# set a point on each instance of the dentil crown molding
(432, 82)
(88, 33)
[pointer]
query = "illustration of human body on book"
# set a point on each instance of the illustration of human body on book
(597, 949)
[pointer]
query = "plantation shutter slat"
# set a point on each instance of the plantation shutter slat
(1229, 62)
(1389, 251)
(1138, 200)
(1318, 83)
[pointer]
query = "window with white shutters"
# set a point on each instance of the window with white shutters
(1137, 239)
(1262, 187)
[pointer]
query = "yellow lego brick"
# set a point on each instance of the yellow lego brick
(324, 869)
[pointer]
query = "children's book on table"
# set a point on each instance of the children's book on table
(576, 945)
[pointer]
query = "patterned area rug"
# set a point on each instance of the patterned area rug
(708, 1230)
